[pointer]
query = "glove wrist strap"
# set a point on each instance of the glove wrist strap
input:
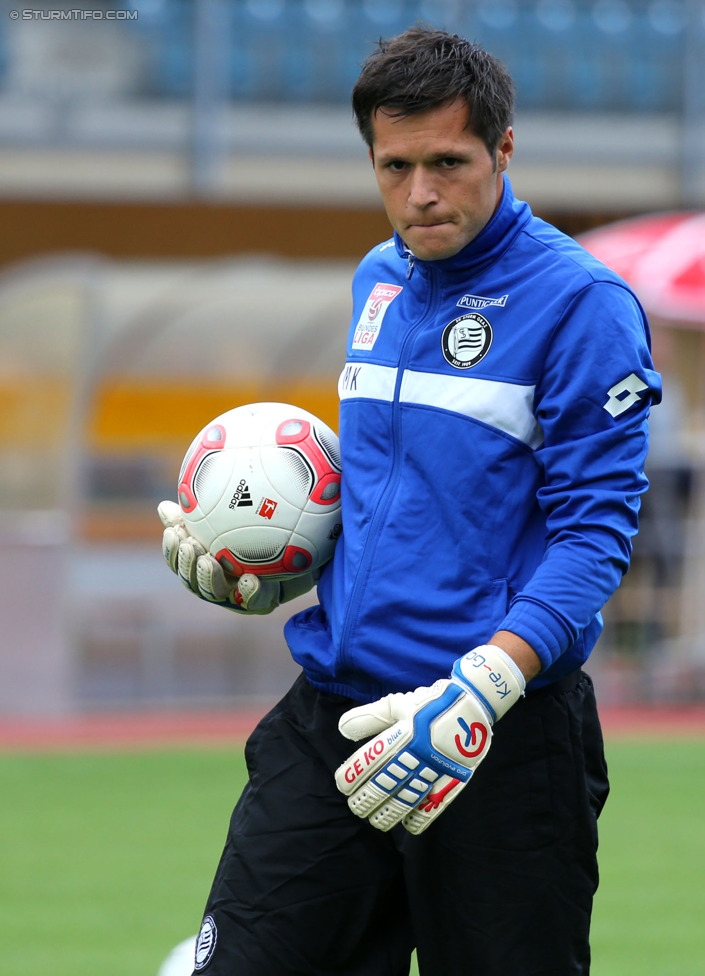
(492, 676)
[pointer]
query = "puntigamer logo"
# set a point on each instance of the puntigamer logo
(479, 302)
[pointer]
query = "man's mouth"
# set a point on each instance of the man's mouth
(425, 226)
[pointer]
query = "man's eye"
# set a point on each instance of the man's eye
(396, 165)
(449, 162)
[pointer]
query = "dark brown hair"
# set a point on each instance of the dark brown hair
(422, 69)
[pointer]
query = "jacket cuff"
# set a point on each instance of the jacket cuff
(548, 634)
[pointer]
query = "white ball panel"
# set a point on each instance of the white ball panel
(288, 474)
(211, 480)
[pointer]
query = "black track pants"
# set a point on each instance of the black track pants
(500, 885)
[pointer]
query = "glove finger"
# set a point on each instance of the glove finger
(417, 803)
(187, 560)
(257, 594)
(444, 791)
(365, 720)
(391, 794)
(247, 590)
(211, 581)
(172, 537)
(170, 514)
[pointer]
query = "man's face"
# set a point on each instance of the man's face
(439, 184)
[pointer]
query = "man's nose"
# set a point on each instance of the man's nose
(422, 188)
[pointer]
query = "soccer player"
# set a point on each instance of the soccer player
(493, 431)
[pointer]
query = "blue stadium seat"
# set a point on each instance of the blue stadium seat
(596, 55)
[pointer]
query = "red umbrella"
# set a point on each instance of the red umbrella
(662, 256)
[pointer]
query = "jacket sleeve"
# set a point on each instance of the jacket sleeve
(592, 403)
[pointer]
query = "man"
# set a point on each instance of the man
(493, 434)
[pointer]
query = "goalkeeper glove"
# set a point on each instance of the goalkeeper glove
(203, 575)
(427, 742)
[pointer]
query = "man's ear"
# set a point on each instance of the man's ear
(370, 153)
(505, 150)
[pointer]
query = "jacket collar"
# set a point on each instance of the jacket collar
(501, 229)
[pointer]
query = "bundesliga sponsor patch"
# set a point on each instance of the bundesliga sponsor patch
(370, 321)
(466, 340)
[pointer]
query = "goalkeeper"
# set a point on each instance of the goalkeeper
(434, 777)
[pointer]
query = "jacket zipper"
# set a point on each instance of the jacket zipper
(351, 612)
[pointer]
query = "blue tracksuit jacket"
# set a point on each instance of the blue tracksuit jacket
(493, 431)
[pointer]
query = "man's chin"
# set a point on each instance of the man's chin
(434, 253)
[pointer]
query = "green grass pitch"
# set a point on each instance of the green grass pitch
(107, 858)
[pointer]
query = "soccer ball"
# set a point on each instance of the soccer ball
(259, 488)
(179, 962)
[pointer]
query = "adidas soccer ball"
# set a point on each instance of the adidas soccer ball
(259, 488)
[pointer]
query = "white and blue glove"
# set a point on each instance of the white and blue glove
(427, 743)
(203, 575)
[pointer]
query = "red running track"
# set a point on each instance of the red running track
(149, 730)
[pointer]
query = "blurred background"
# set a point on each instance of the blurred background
(184, 197)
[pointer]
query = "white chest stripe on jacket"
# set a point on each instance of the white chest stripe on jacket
(504, 406)
(368, 381)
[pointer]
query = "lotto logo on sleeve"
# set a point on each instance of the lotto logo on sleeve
(624, 394)
(370, 321)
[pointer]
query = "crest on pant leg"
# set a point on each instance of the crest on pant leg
(205, 943)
